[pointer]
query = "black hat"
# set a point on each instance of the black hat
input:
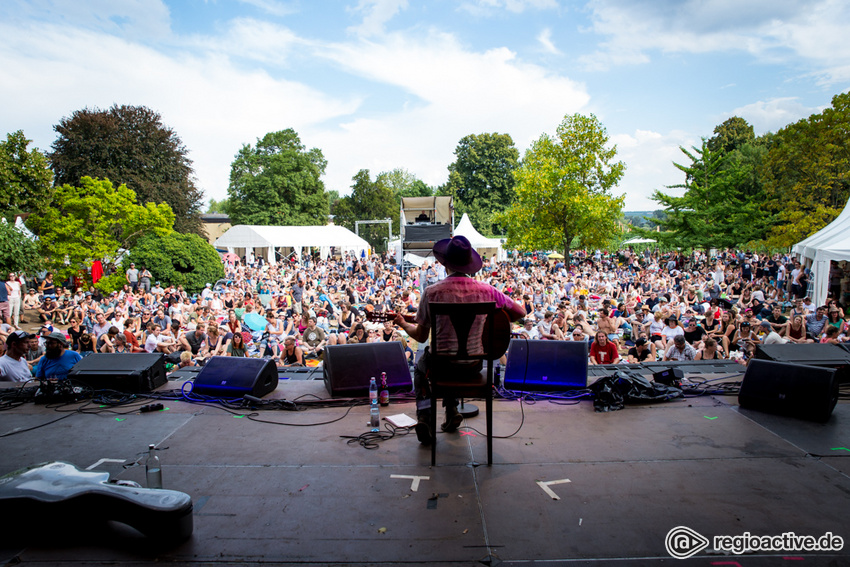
(457, 255)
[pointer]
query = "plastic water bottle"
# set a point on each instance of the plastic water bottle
(374, 409)
(384, 396)
(153, 468)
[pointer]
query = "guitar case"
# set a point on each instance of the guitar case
(63, 495)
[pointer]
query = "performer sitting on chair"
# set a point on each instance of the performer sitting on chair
(460, 261)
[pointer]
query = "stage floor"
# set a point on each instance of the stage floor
(567, 487)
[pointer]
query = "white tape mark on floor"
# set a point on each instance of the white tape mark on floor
(545, 486)
(414, 485)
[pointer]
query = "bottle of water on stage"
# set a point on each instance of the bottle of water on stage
(384, 397)
(153, 468)
(374, 410)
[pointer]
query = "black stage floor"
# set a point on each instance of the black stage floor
(568, 486)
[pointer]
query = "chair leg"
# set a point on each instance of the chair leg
(489, 404)
(433, 426)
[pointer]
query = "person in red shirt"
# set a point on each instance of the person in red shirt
(603, 351)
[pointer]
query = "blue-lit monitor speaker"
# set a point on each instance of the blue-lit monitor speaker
(796, 390)
(233, 377)
(546, 366)
(121, 372)
(348, 368)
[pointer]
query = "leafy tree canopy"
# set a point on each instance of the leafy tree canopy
(94, 221)
(721, 206)
(278, 182)
(731, 135)
(17, 252)
(369, 200)
(129, 145)
(221, 207)
(179, 259)
(807, 173)
(481, 178)
(563, 190)
(25, 178)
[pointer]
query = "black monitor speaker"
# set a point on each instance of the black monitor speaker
(348, 368)
(546, 366)
(122, 372)
(797, 390)
(812, 354)
(233, 377)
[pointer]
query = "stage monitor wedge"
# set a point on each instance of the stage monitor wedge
(812, 354)
(546, 366)
(133, 373)
(347, 368)
(796, 390)
(233, 377)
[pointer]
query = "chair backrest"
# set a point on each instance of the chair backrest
(462, 331)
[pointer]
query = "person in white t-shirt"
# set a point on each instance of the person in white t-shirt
(13, 365)
(13, 287)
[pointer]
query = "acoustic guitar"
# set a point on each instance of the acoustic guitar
(501, 327)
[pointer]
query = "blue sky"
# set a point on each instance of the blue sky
(385, 84)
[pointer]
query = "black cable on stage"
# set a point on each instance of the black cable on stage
(15, 432)
(372, 439)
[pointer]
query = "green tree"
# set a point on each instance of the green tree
(18, 253)
(221, 207)
(25, 178)
(179, 259)
(129, 145)
(278, 183)
(481, 178)
(563, 190)
(807, 173)
(721, 206)
(731, 135)
(95, 221)
(369, 200)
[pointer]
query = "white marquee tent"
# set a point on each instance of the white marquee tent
(248, 240)
(491, 247)
(829, 244)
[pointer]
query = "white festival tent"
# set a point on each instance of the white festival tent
(248, 240)
(829, 244)
(640, 241)
(491, 247)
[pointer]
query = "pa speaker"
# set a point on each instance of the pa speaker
(233, 377)
(546, 366)
(348, 368)
(813, 354)
(122, 372)
(797, 390)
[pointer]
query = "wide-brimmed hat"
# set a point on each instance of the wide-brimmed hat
(457, 255)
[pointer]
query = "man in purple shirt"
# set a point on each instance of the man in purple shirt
(461, 261)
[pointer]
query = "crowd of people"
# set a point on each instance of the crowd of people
(630, 306)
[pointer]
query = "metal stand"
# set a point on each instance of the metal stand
(467, 410)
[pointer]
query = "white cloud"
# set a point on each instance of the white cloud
(211, 104)
(545, 39)
(273, 7)
(452, 92)
(376, 14)
(768, 29)
(649, 158)
(773, 114)
(484, 7)
(250, 39)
